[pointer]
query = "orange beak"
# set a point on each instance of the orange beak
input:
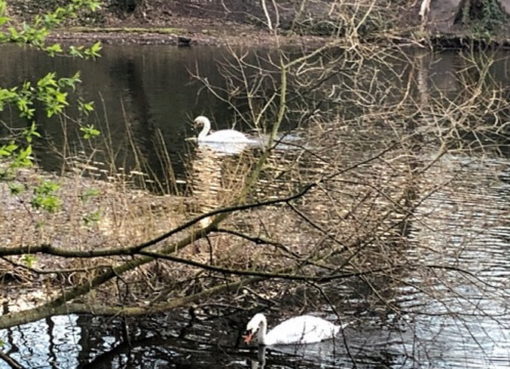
(248, 337)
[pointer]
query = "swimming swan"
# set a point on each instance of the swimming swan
(225, 135)
(298, 330)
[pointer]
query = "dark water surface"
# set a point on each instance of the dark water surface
(143, 95)
(466, 224)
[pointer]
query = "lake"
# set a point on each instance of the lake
(429, 219)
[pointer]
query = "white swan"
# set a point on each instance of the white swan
(223, 136)
(298, 330)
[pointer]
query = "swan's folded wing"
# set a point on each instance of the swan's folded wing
(300, 330)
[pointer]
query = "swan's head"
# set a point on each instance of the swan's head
(253, 326)
(202, 121)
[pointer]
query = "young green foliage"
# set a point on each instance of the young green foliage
(16, 188)
(84, 107)
(35, 34)
(89, 132)
(29, 260)
(50, 94)
(45, 197)
(92, 218)
(89, 194)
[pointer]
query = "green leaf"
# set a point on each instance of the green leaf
(93, 217)
(69, 82)
(94, 5)
(44, 197)
(7, 150)
(29, 260)
(85, 108)
(54, 49)
(89, 193)
(47, 80)
(16, 188)
(50, 203)
(46, 188)
(89, 131)
(3, 6)
(75, 51)
(31, 132)
(93, 51)
(23, 158)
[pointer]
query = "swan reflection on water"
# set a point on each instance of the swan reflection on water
(260, 363)
(326, 354)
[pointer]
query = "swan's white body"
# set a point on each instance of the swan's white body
(298, 330)
(223, 136)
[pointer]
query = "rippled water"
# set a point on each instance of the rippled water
(449, 308)
(465, 324)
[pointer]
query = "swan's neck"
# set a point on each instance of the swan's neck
(261, 334)
(205, 129)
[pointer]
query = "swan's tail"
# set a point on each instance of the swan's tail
(339, 328)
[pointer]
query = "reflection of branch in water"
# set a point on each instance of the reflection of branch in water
(322, 354)
(10, 361)
(180, 351)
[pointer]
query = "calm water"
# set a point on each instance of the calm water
(143, 96)
(446, 319)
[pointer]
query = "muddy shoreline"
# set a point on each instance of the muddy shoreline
(253, 37)
(245, 35)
